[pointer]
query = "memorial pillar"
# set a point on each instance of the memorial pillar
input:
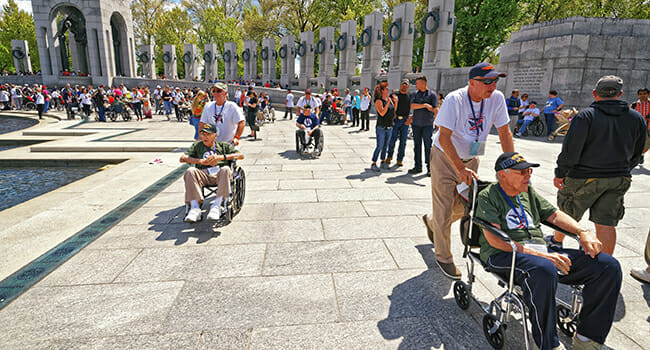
(269, 57)
(190, 61)
(306, 52)
(400, 32)
(287, 54)
(20, 54)
(438, 28)
(147, 61)
(249, 56)
(372, 49)
(325, 49)
(230, 58)
(347, 45)
(169, 62)
(211, 62)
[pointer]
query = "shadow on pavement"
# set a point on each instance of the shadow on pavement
(170, 226)
(406, 179)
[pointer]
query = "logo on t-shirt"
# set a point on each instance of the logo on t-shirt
(516, 222)
(208, 153)
(476, 124)
(307, 122)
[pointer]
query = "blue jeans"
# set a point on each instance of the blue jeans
(168, 107)
(383, 135)
(524, 126)
(324, 115)
(46, 106)
(195, 122)
(422, 134)
(550, 120)
(538, 279)
(348, 113)
(399, 130)
(101, 110)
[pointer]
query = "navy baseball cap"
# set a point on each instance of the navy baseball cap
(512, 160)
(209, 128)
(485, 70)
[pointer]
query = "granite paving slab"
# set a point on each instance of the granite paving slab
(285, 211)
(373, 227)
(142, 341)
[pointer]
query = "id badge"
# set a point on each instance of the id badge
(213, 170)
(534, 245)
(477, 148)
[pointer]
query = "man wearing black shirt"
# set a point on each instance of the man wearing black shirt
(402, 122)
(425, 106)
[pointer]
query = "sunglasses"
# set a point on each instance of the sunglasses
(522, 171)
(488, 81)
(217, 91)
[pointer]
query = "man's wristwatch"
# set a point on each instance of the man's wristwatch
(581, 230)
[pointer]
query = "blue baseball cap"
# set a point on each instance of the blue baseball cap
(485, 70)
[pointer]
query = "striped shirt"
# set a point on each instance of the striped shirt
(644, 109)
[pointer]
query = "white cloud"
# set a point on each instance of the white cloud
(25, 5)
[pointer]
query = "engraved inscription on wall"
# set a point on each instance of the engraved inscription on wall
(529, 80)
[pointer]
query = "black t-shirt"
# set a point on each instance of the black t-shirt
(249, 110)
(422, 116)
(403, 104)
(166, 96)
(386, 120)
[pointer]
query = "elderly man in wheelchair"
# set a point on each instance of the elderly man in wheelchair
(514, 208)
(212, 160)
(308, 130)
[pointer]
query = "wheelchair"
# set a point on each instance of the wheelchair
(536, 128)
(116, 110)
(309, 146)
(231, 205)
(564, 121)
(497, 314)
(336, 117)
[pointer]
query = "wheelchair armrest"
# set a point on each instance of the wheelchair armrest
(493, 230)
(561, 230)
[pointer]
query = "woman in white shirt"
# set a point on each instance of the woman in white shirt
(40, 102)
(365, 110)
(86, 102)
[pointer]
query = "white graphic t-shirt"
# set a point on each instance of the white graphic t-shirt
(225, 118)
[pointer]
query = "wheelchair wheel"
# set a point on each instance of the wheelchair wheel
(228, 212)
(536, 128)
(516, 129)
(240, 189)
(461, 294)
(113, 116)
(565, 322)
(496, 336)
(126, 115)
(297, 143)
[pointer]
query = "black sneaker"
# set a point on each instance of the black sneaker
(415, 171)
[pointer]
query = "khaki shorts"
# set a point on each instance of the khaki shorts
(647, 141)
(602, 196)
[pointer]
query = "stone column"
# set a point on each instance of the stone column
(400, 33)
(306, 52)
(20, 54)
(372, 49)
(287, 54)
(269, 57)
(211, 62)
(230, 58)
(147, 60)
(169, 61)
(438, 27)
(347, 45)
(249, 56)
(190, 61)
(325, 48)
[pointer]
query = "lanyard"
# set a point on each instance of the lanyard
(474, 118)
(522, 216)
(218, 116)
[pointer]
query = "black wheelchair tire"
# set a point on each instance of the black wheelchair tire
(298, 143)
(126, 116)
(498, 339)
(568, 328)
(536, 128)
(112, 116)
(29, 106)
(461, 295)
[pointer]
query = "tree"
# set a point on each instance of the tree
(146, 19)
(481, 27)
(175, 28)
(16, 24)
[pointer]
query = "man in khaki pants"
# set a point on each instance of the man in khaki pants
(465, 119)
(211, 167)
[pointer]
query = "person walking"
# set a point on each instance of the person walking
(40, 102)
(513, 103)
(251, 113)
(355, 107)
(401, 127)
(465, 119)
(425, 106)
(288, 105)
(364, 110)
(604, 142)
(385, 114)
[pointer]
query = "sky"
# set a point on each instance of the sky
(25, 5)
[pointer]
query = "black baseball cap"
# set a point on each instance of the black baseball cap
(512, 160)
(209, 128)
(485, 70)
(306, 107)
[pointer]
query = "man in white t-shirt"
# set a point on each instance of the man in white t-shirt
(310, 100)
(288, 105)
(225, 115)
(464, 121)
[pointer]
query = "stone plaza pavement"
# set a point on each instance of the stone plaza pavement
(324, 255)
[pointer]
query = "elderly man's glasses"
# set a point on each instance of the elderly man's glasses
(488, 81)
(521, 171)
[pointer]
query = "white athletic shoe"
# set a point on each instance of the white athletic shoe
(215, 213)
(194, 215)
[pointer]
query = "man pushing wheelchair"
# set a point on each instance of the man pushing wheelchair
(211, 161)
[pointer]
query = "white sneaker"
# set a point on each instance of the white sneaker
(194, 215)
(215, 213)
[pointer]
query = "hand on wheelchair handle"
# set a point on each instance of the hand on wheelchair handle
(466, 176)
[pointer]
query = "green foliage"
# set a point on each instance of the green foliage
(175, 28)
(16, 24)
